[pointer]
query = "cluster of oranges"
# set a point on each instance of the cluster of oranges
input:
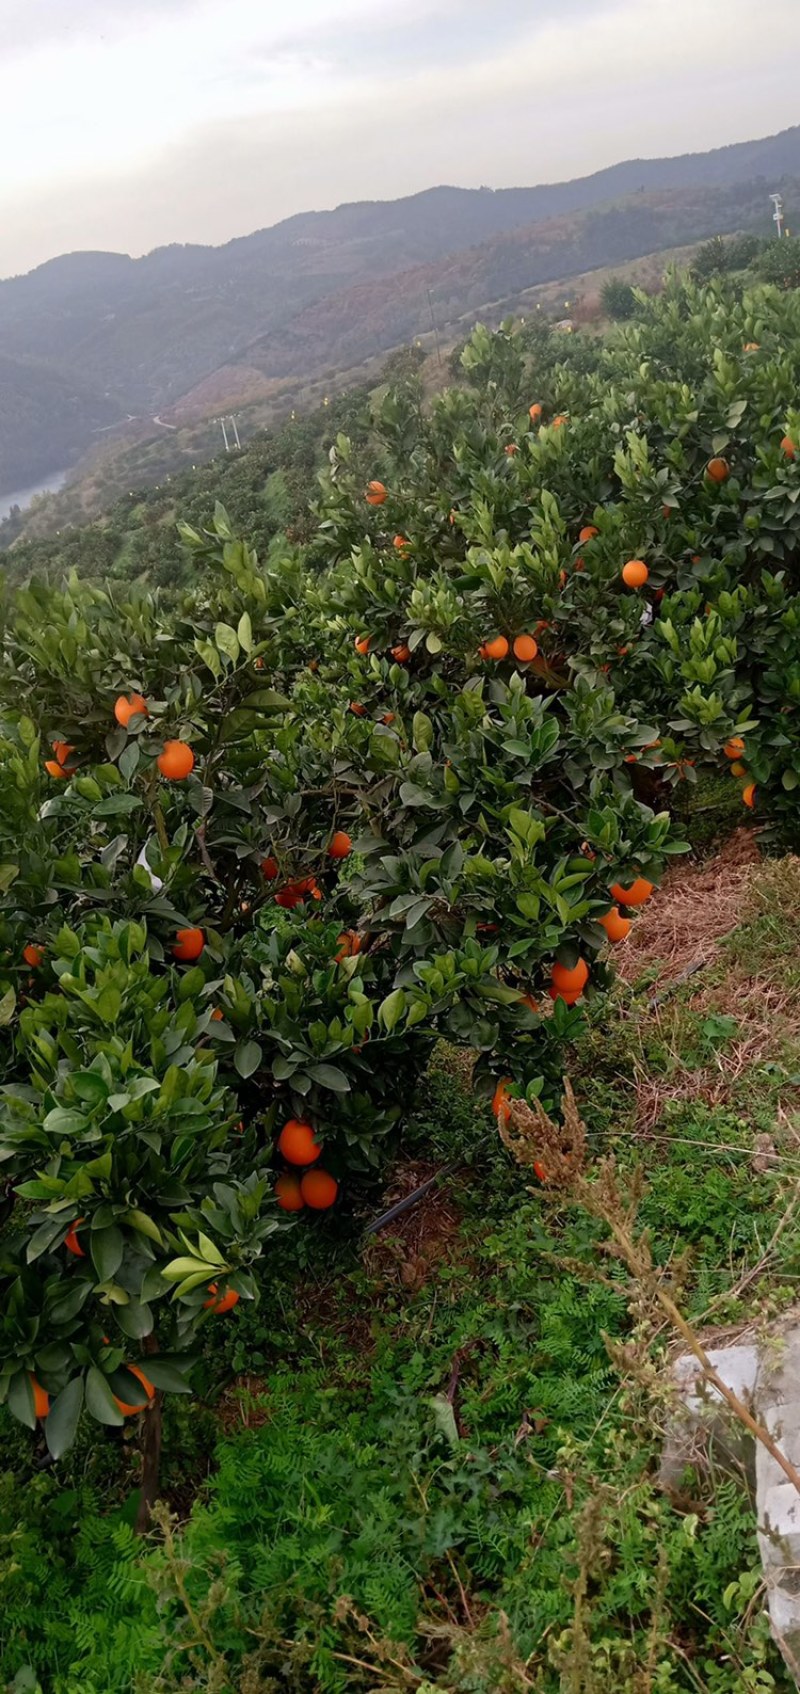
(317, 1189)
(733, 750)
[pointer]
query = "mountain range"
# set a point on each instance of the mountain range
(90, 340)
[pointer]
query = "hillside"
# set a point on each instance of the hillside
(142, 333)
(44, 417)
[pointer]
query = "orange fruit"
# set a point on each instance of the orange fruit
(718, 470)
(499, 1104)
(734, 748)
(357, 709)
(225, 1303)
(388, 717)
(349, 944)
(666, 511)
(749, 794)
(287, 1193)
(400, 543)
(376, 494)
(535, 411)
(580, 564)
(41, 1399)
(558, 423)
(588, 532)
(217, 1015)
(570, 979)
(131, 1411)
(62, 750)
(55, 770)
(635, 894)
(269, 868)
(497, 648)
(615, 925)
(635, 573)
(176, 761)
(738, 769)
(130, 706)
(751, 346)
(401, 653)
(511, 448)
(525, 648)
(188, 945)
(298, 1143)
(788, 447)
(361, 644)
(340, 845)
(319, 1190)
(34, 955)
(570, 998)
(71, 1241)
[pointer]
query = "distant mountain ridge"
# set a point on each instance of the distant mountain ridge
(136, 335)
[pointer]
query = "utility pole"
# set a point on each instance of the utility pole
(777, 216)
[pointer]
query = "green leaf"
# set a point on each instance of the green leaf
(8, 874)
(145, 1226)
(247, 1058)
(7, 1007)
(100, 1401)
(166, 1376)
(135, 1320)
(422, 732)
(329, 1076)
(790, 779)
(61, 1422)
(445, 1419)
(391, 1010)
(107, 1247)
(108, 1005)
(245, 632)
(20, 1399)
(227, 641)
(129, 760)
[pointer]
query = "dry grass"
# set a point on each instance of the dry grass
(411, 1247)
(696, 906)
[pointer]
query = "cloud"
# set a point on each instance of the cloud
(197, 121)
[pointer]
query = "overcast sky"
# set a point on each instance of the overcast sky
(125, 124)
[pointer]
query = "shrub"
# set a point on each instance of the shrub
(618, 299)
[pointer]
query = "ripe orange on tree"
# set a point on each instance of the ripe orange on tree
(788, 447)
(570, 979)
(749, 794)
(71, 1241)
(738, 769)
(635, 573)
(497, 648)
(525, 648)
(558, 423)
(402, 653)
(511, 449)
(34, 955)
(287, 1193)
(636, 893)
(376, 493)
(361, 644)
(176, 761)
(319, 1190)
(217, 1015)
(400, 543)
(269, 868)
(340, 845)
(615, 925)
(535, 411)
(62, 766)
(130, 706)
(357, 709)
(388, 717)
(41, 1399)
(734, 748)
(349, 944)
(588, 532)
(225, 1303)
(718, 470)
(188, 945)
(298, 1143)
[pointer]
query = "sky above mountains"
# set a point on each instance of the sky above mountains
(127, 124)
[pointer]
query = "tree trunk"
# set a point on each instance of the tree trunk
(151, 1452)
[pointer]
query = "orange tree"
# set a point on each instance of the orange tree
(263, 847)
